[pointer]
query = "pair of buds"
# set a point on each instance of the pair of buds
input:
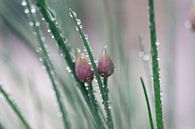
(84, 70)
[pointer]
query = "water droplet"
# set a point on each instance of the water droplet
(52, 37)
(78, 21)
(86, 84)
(77, 29)
(33, 9)
(158, 59)
(49, 30)
(43, 19)
(23, 3)
(31, 23)
(26, 10)
(157, 43)
(81, 26)
(68, 69)
(37, 24)
(145, 57)
(86, 36)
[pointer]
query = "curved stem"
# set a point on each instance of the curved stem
(147, 103)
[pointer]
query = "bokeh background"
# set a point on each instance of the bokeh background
(122, 25)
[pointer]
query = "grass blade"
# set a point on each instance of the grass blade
(155, 66)
(61, 42)
(109, 116)
(48, 65)
(14, 108)
(99, 81)
(147, 103)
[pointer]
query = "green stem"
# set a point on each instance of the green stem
(89, 52)
(94, 104)
(14, 108)
(61, 41)
(107, 106)
(48, 65)
(155, 67)
(148, 104)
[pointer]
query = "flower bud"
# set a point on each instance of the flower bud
(105, 64)
(83, 69)
(192, 17)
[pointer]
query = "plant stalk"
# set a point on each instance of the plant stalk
(107, 105)
(147, 103)
(155, 66)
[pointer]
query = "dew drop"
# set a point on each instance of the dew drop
(31, 23)
(49, 30)
(77, 29)
(26, 10)
(23, 3)
(68, 69)
(81, 26)
(78, 21)
(145, 57)
(157, 43)
(70, 14)
(86, 84)
(86, 36)
(158, 59)
(33, 9)
(37, 24)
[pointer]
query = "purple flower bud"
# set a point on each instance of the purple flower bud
(105, 64)
(83, 69)
(192, 17)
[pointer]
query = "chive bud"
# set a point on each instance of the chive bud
(83, 69)
(105, 64)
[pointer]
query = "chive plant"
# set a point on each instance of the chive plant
(155, 66)
(103, 87)
(83, 72)
(46, 60)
